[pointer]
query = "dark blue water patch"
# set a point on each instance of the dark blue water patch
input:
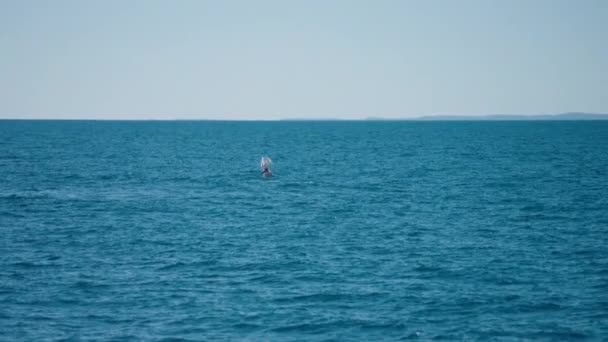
(368, 231)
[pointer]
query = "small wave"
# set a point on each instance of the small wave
(539, 307)
(303, 327)
(427, 268)
(171, 339)
(247, 326)
(89, 285)
(180, 265)
(317, 297)
(292, 185)
(11, 214)
(321, 327)
(328, 297)
(28, 265)
(553, 335)
(24, 196)
(107, 177)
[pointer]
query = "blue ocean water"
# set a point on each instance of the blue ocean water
(368, 231)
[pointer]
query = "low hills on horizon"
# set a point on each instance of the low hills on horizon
(502, 117)
(573, 116)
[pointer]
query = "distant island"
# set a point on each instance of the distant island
(574, 116)
(501, 117)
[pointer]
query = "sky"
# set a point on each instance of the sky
(224, 59)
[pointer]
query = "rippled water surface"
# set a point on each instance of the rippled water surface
(369, 231)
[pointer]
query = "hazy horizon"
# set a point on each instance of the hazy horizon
(491, 117)
(273, 60)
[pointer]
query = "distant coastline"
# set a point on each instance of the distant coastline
(503, 117)
(574, 116)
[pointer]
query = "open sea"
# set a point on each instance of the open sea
(368, 231)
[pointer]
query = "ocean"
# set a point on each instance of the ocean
(367, 231)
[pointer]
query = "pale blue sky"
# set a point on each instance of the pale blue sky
(281, 59)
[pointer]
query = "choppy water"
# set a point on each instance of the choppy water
(369, 231)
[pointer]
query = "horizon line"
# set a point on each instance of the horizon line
(439, 117)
